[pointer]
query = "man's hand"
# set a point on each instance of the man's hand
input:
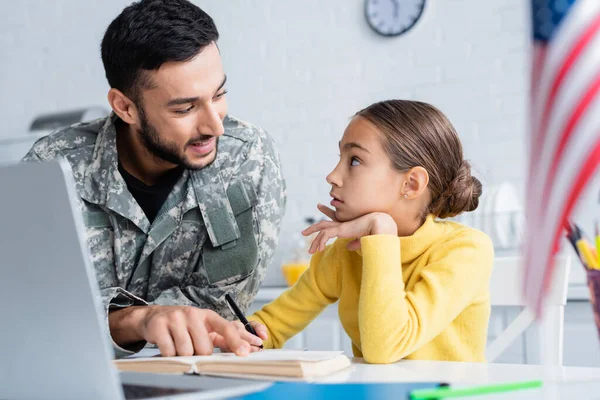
(261, 330)
(370, 224)
(179, 330)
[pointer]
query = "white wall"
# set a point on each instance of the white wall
(300, 69)
(50, 58)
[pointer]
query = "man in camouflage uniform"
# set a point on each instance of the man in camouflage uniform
(182, 202)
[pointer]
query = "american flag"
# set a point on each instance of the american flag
(564, 146)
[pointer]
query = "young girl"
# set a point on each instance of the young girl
(409, 284)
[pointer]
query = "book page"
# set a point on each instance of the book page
(265, 355)
(292, 355)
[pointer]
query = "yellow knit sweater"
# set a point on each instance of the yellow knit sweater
(423, 297)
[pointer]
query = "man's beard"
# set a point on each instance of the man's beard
(163, 150)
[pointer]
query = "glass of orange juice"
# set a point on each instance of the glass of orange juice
(300, 259)
(292, 271)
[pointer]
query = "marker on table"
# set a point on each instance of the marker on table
(448, 392)
(240, 315)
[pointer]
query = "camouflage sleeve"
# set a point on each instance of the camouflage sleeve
(31, 156)
(113, 297)
(263, 168)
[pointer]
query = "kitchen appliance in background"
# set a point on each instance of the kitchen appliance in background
(500, 215)
(13, 148)
(50, 122)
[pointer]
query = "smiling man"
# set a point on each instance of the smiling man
(182, 202)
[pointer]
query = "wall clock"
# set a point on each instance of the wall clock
(393, 17)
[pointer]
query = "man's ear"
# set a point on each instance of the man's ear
(123, 106)
(416, 183)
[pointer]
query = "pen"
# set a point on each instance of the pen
(597, 242)
(585, 249)
(238, 313)
(446, 392)
(573, 237)
(586, 252)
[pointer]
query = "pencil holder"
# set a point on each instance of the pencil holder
(593, 281)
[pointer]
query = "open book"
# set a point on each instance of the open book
(263, 364)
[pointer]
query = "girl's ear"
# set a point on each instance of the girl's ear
(415, 184)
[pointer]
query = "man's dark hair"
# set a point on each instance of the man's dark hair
(149, 33)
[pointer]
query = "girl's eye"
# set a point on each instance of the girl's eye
(354, 161)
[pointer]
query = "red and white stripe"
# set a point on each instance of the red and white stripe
(564, 144)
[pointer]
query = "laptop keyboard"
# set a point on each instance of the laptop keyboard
(138, 392)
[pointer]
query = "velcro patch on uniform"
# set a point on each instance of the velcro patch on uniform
(222, 225)
(97, 219)
(241, 196)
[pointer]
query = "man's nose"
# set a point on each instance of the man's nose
(210, 122)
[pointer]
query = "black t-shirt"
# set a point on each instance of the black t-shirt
(151, 198)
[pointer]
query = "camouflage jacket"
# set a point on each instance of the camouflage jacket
(215, 233)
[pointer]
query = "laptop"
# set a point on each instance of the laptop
(53, 342)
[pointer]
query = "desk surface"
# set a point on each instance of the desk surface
(463, 373)
(560, 383)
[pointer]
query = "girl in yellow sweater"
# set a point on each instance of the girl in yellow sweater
(409, 285)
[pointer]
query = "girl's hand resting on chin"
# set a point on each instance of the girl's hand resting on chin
(375, 223)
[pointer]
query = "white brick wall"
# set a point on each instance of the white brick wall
(300, 69)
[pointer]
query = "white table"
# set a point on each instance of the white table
(560, 383)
